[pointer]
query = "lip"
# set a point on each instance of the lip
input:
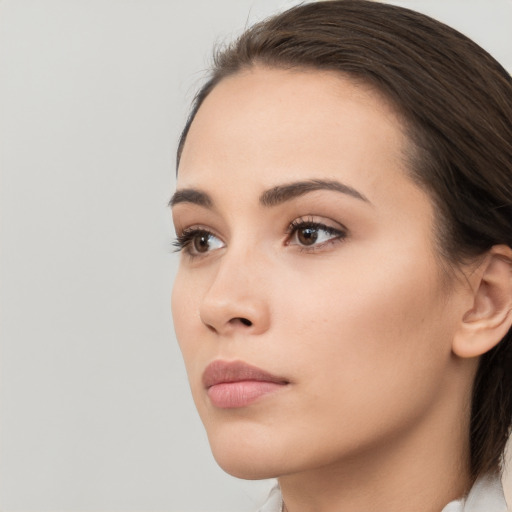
(234, 384)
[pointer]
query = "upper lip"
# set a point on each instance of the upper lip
(219, 372)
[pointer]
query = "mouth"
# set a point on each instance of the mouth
(235, 384)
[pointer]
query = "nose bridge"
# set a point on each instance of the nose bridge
(236, 298)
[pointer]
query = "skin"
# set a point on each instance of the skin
(361, 325)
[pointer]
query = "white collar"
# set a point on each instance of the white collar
(485, 496)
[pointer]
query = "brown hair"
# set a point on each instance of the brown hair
(456, 101)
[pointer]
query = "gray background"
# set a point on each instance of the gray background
(96, 413)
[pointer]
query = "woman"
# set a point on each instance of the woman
(344, 296)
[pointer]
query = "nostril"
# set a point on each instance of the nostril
(244, 321)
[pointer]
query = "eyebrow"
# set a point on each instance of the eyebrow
(191, 195)
(272, 197)
(282, 193)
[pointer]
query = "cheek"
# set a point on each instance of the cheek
(185, 313)
(188, 327)
(374, 330)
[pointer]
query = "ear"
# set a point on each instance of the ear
(490, 317)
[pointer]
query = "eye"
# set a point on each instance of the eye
(197, 242)
(311, 234)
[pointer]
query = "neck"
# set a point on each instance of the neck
(421, 469)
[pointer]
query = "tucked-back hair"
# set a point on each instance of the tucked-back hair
(455, 101)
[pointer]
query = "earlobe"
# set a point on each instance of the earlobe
(489, 319)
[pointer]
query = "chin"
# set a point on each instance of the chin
(247, 467)
(246, 457)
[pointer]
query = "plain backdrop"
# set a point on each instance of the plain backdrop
(96, 414)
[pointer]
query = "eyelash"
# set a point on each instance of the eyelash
(184, 240)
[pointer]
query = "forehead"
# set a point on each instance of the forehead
(267, 126)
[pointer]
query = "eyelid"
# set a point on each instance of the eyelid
(315, 220)
(338, 233)
(185, 237)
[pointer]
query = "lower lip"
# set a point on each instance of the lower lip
(231, 395)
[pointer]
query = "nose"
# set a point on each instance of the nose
(236, 301)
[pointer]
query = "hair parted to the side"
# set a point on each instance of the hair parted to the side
(456, 103)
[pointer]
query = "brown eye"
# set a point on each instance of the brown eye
(313, 234)
(201, 242)
(197, 242)
(307, 236)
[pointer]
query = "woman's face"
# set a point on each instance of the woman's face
(308, 254)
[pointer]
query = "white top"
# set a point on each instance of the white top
(485, 496)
